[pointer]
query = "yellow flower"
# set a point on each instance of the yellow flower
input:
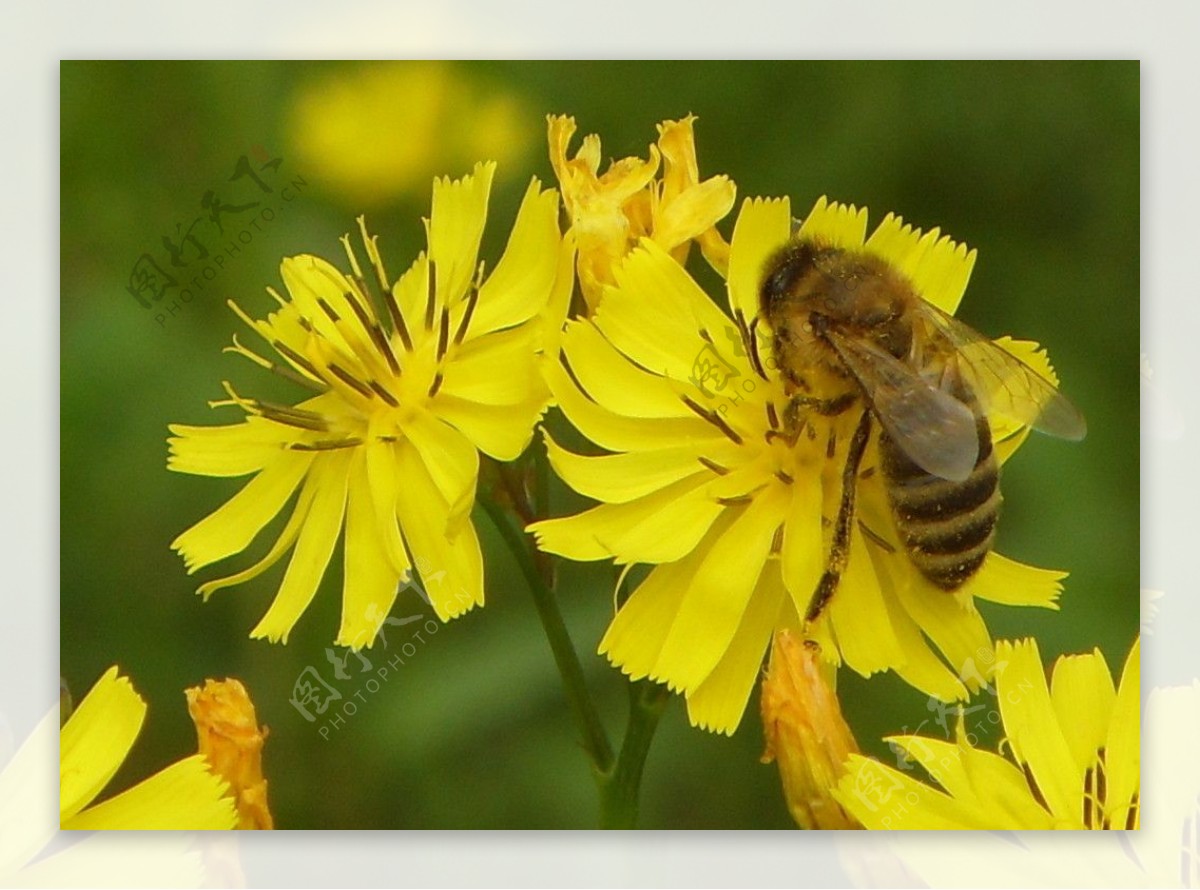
(93, 744)
(806, 733)
(610, 212)
(230, 739)
(1074, 763)
(701, 485)
(382, 130)
(389, 445)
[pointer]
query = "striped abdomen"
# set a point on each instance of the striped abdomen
(947, 527)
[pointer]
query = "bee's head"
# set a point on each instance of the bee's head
(783, 276)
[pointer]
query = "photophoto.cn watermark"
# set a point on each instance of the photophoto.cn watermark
(357, 676)
(192, 257)
(881, 791)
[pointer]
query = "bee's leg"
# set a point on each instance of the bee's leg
(826, 407)
(839, 549)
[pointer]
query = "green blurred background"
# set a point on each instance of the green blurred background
(1036, 165)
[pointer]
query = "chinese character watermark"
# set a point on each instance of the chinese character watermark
(193, 255)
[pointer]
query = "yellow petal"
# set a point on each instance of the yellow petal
(95, 740)
(520, 284)
(501, 431)
(719, 702)
(455, 229)
(667, 340)
(660, 527)
(882, 798)
(385, 487)
(1122, 761)
(451, 566)
(450, 459)
(1081, 689)
(802, 559)
(232, 526)
(763, 226)
(620, 478)
(835, 225)
(225, 450)
(499, 369)
(859, 615)
(615, 431)
(314, 547)
(371, 581)
(282, 544)
(1002, 580)
(185, 796)
(920, 668)
(720, 591)
(938, 268)
(614, 382)
(636, 634)
(694, 211)
(953, 624)
(1032, 727)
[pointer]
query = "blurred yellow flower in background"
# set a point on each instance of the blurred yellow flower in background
(375, 132)
(411, 384)
(700, 483)
(1073, 756)
(94, 743)
(609, 212)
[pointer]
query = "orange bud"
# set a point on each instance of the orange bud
(229, 737)
(805, 732)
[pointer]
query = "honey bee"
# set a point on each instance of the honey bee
(851, 333)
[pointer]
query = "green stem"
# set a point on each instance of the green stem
(595, 741)
(620, 789)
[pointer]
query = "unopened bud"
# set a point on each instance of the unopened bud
(805, 732)
(230, 739)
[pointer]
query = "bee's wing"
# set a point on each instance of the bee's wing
(932, 427)
(1002, 382)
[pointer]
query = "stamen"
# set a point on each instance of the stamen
(436, 385)
(329, 310)
(431, 293)
(875, 538)
(715, 419)
(714, 466)
(295, 358)
(772, 416)
(1033, 787)
(867, 473)
(238, 349)
(350, 380)
(398, 325)
(325, 445)
(384, 394)
(374, 331)
(443, 340)
(735, 501)
(371, 243)
(783, 477)
(1088, 796)
(777, 541)
(755, 359)
(472, 299)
